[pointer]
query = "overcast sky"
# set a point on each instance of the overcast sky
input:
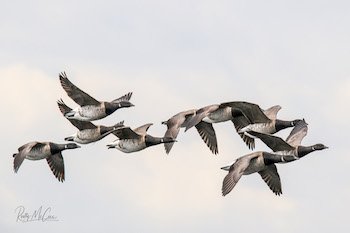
(175, 56)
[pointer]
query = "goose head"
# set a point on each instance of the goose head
(125, 104)
(71, 146)
(298, 121)
(319, 147)
(226, 168)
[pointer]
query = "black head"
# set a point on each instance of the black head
(319, 147)
(113, 106)
(168, 139)
(125, 104)
(298, 121)
(71, 146)
(70, 139)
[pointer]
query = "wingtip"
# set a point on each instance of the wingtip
(62, 75)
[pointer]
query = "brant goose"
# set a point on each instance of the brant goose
(90, 109)
(44, 150)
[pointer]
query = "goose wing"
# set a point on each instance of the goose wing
(172, 132)
(200, 114)
(240, 122)
(297, 134)
(252, 111)
(273, 142)
(78, 124)
(235, 173)
(272, 179)
(125, 97)
(142, 130)
(79, 96)
(17, 162)
(207, 133)
(56, 165)
(126, 133)
(271, 113)
(31, 147)
(173, 126)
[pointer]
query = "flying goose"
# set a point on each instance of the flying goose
(263, 162)
(135, 140)
(292, 145)
(205, 130)
(90, 109)
(88, 132)
(44, 150)
(250, 117)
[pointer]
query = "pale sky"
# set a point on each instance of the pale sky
(175, 56)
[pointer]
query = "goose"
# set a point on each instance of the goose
(205, 130)
(292, 145)
(91, 109)
(250, 117)
(135, 140)
(264, 162)
(261, 162)
(50, 151)
(88, 132)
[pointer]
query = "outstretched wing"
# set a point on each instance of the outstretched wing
(239, 123)
(56, 165)
(235, 173)
(123, 98)
(79, 124)
(17, 162)
(272, 179)
(252, 111)
(171, 132)
(126, 133)
(273, 142)
(297, 134)
(271, 113)
(79, 96)
(142, 130)
(207, 133)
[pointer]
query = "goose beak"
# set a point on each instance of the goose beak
(110, 146)
(69, 139)
(69, 114)
(226, 168)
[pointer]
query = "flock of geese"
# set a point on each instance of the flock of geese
(250, 121)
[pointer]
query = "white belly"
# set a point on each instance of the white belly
(87, 136)
(259, 127)
(88, 113)
(129, 145)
